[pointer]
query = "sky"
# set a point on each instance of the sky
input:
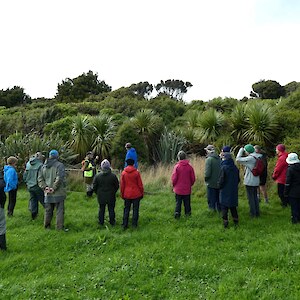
(221, 47)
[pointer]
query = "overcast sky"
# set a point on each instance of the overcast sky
(221, 47)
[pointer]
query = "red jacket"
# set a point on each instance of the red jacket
(279, 174)
(131, 184)
(183, 177)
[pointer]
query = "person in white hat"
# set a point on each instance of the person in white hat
(292, 186)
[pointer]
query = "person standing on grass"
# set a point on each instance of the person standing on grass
(2, 213)
(131, 153)
(183, 178)
(263, 177)
(211, 176)
(105, 185)
(30, 177)
(292, 186)
(51, 180)
(132, 191)
(247, 157)
(229, 179)
(279, 173)
(11, 184)
(89, 171)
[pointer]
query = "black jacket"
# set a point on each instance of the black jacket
(105, 185)
(292, 185)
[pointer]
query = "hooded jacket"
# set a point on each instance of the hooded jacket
(292, 186)
(249, 162)
(183, 178)
(228, 183)
(279, 173)
(105, 185)
(10, 178)
(30, 175)
(52, 175)
(131, 184)
(212, 170)
(131, 154)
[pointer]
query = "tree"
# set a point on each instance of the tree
(13, 97)
(143, 89)
(269, 89)
(174, 88)
(291, 88)
(81, 87)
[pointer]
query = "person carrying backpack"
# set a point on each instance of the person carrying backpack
(247, 157)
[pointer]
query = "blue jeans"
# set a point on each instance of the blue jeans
(36, 196)
(213, 199)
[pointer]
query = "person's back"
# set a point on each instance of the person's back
(183, 177)
(131, 183)
(131, 154)
(31, 172)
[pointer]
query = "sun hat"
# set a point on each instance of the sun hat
(292, 159)
(210, 148)
(105, 165)
(249, 148)
(53, 153)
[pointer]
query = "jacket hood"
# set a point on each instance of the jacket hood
(6, 167)
(184, 162)
(50, 162)
(227, 162)
(105, 172)
(33, 160)
(214, 155)
(130, 169)
(131, 154)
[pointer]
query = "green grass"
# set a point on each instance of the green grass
(164, 258)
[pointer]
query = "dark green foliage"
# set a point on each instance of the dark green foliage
(174, 88)
(128, 133)
(142, 89)
(63, 127)
(225, 105)
(13, 97)
(81, 87)
(57, 111)
(269, 89)
(167, 108)
(291, 88)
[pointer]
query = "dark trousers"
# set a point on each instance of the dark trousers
(234, 215)
(280, 191)
(12, 199)
(36, 196)
(186, 199)
(111, 213)
(295, 209)
(253, 200)
(60, 210)
(135, 214)
(213, 199)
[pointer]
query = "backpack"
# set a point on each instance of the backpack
(259, 167)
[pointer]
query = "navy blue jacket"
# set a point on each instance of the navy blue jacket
(228, 183)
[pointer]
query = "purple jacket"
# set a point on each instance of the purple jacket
(183, 177)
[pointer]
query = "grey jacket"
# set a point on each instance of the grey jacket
(52, 175)
(2, 221)
(249, 163)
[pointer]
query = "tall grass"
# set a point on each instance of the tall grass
(164, 258)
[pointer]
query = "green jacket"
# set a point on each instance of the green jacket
(52, 175)
(30, 175)
(212, 170)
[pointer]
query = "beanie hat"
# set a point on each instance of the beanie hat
(249, 148)
(53, 153)
(105, 165)
(181, 155)
(280, 147)
(226, 149)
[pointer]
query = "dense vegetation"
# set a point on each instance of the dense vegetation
(87, 115)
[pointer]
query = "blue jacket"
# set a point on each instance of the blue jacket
(131, 154)
(228, 182)
(10, 178)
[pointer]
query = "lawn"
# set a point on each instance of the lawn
(164, 258)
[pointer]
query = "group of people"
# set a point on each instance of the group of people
(46, 183)
(222, 179)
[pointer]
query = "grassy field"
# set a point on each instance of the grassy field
(164, 258)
